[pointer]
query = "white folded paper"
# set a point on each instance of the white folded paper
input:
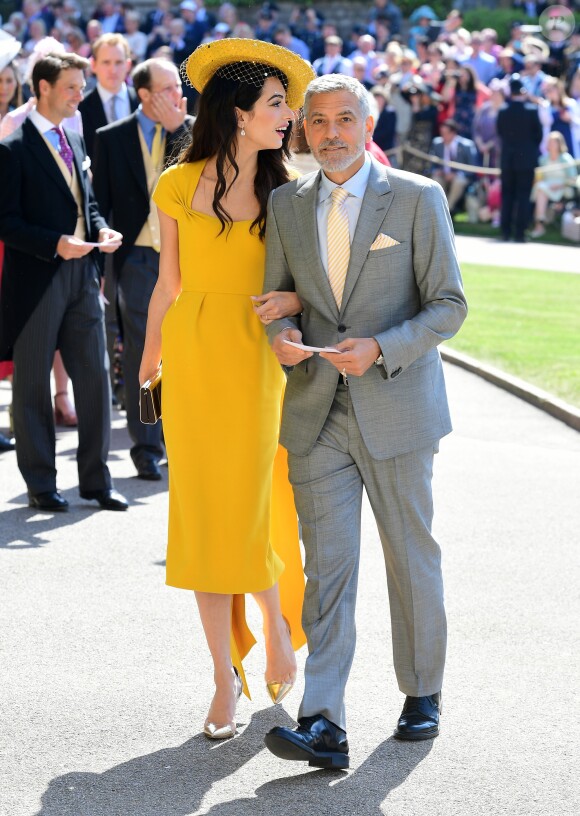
(108, 242)
(302, 347)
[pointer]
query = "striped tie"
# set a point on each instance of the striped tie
(338, 243)
(157, 146)
(113, 108)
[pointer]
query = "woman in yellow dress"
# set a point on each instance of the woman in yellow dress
(232, 523)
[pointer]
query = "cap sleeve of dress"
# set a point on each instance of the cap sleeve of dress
(169, 192)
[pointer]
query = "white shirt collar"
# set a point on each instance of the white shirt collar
(356, 185)
(40, 122)
(107, 95)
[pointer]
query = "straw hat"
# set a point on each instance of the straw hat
(206, 59)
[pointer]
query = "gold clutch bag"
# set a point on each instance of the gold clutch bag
(150, 400)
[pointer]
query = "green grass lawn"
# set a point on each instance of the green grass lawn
(526, 323)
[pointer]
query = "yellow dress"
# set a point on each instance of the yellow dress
(232, 523)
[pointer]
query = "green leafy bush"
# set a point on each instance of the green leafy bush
(499, 19)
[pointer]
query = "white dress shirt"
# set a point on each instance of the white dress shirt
(122, 105)
(356, 187)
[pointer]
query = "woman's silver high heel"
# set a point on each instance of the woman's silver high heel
(218, 732)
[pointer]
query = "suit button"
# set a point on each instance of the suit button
(342, 327)
(396, 372)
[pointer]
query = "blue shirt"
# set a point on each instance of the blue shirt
(147, 126)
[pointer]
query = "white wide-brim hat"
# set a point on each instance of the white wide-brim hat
(9, 48)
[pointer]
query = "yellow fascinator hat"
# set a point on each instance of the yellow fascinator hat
(241, 59)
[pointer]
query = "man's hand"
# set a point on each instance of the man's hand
(356, 357)
(276, 305)
(70, 247)
(288, 355)
(110, 239)
(165, 111)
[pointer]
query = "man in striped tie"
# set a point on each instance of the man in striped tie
(51, 226)
(370, 253)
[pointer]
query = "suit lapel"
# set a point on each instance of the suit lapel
(376, 202)
(100, 117)
(305, 202)
(130, 144)
(78, 158)
(42, 156)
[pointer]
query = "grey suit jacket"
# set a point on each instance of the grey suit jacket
(409, 297)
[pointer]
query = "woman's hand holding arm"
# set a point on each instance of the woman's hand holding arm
(276, 305)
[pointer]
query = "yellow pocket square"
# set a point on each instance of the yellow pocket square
(383, 241)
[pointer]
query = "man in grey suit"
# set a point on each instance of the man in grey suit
(376, 270)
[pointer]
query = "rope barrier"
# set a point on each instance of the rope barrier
(476, 169)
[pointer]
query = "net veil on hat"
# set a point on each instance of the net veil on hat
(212, 57)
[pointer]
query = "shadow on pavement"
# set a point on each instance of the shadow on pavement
(170, 782)
(334, 793)
(23, 527)
(174, 781)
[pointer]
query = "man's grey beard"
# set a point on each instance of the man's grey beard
(337, 165)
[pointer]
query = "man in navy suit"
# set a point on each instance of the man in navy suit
(108, 102)
(332, 62)
(126, 168)
(520, 130)
(50, 224)
(111, 99)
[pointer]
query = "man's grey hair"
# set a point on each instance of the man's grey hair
(330, 83)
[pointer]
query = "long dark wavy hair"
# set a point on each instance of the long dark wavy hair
(214, 134)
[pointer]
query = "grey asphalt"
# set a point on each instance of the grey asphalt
(530, 255)
(105, 677)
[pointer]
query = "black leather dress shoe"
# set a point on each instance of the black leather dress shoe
(316, 740)
(149, 471)
(6, 444)
(52, 501)
(108, 499)
(419, 719)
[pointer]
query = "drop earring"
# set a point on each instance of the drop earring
(242, 131)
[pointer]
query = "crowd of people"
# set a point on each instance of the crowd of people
(288, 314)
(496, 124)
(427, 77)
(165, 154)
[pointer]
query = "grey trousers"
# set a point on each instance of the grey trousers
(68, 317)
(328, 485)
(136, 282)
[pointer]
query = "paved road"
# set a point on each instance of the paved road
(527, 256)
(104, 677)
